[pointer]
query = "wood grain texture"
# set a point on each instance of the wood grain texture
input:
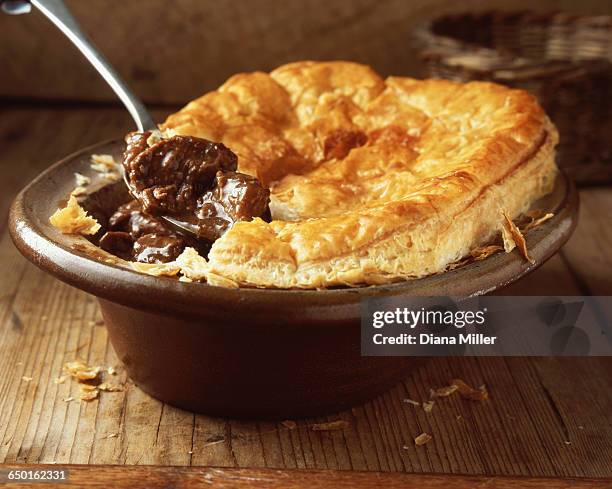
(190, 478)
(173, 52)
(547, 417)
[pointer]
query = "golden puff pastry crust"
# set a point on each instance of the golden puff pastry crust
(372, 180)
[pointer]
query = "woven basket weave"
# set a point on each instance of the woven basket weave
(565, 60)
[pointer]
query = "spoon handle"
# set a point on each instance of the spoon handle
(57, 12)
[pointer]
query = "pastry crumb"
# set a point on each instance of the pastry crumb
(289, 424)
(73, 219)
(155, 137)
(106, 166)
(27, 379)
(111, 176)
(412, 402)
(442, 391)
(170, 269)
(477, 254)
(193, 266)
(89, 381)
(103, 163)
(81, 180)
(428, 406)
(78, 191)
(88, 392)
(535, 214)
(483, 252)
(330, 426)
(79, 370)
(468, 392)
(422, 439)
(105, 386)
(537, 221)
(457, 264)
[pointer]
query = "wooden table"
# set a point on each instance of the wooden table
(547, 417)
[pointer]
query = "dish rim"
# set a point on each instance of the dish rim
(40, 243)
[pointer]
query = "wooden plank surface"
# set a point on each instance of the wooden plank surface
(79, 476)
(547, 417)
(173, 52)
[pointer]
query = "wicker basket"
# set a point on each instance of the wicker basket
(565, 60)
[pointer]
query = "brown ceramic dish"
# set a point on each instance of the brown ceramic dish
(247, 352)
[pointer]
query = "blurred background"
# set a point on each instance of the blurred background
(171, 52)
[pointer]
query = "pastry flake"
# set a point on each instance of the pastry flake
(537, 221)
(289, 424)
(88, 392)
(81, 180)
(445, 391)
(103, 163)
(483, 252)
(89, 380)
(106, 166)
(337, 425)
(513, 237)
(79, 370)
(73, 219)
(468, 392)
(170, 269)
(372, 180)
(422, 439)
(192, 265)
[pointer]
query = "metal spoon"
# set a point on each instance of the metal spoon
(57, 12)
